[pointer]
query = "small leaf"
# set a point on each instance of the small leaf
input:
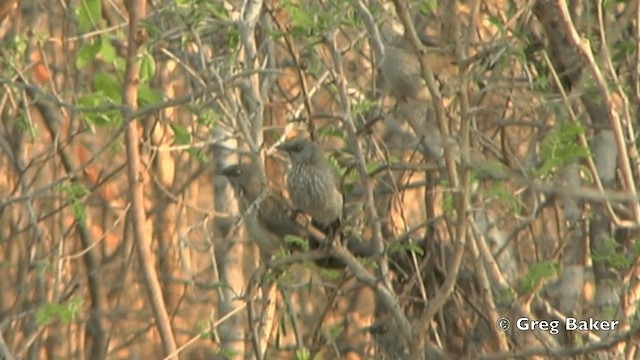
(148, 96)
(303, 354)
(108, 85)
(397, 246)
(331, 131)
(181, 135)
(499, 191)
(147, 67)
(219, 11)
(76, 192)
(606, 251)
(66, 313)
(296, 241)
(334, 332)
(233, 39)
(497, 22)
(373, 167)
(120, 65)
(87, 53)
(561, 147)
(207, 117)
(636, 247)
(302, 19)
(88, 14)
(330, 274)
(89, 103)
(107, 51)
(360, 107)
(537, 273)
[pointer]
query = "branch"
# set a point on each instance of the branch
(135, 172)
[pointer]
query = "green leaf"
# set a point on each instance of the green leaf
(331, 131)
(359, 107)
(219, 11)
(507, 295)
(227, 353)
(303, 354)
(560, 148)
(448, 201)
(88, 53)
(233, 39)
(301, 18)
(497, 22)
(334, 332)
(66, 313)
(397, 246)
(108, 85)
(207, 117)
(606, 251)
(76, 192)
(636, 247)
(623, 49)
(88, 14)
(148, 96)
(180, 134)
(427, 7)
(199, 155)
(147, 67)
(107, 51)
(499, 191)
(23, 123)
(330, 274)
(17, 44)
(89, 103)
(296, 241)
(538, 272)
(120, 64)
(373, 167)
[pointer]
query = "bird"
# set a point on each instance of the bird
(312, 184)
(269, 221)
(400, 67)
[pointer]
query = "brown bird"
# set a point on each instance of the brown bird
(267, 214)
(313, 184)
(401, 69)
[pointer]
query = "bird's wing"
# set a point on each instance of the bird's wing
(275, 215)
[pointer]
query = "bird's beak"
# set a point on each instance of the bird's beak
(228, 171)
(284, 147)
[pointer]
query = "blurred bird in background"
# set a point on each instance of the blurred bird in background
(400, 67)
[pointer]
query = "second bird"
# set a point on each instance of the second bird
(313, 185)
(270, 222)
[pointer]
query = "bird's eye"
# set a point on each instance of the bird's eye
(297, 148)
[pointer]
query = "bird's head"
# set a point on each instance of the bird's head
(301, 150)
(245, 178)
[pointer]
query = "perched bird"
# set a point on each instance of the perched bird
(401, 69)
(267, 214)
(313, 184)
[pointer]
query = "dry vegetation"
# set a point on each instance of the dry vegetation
(505, 189)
